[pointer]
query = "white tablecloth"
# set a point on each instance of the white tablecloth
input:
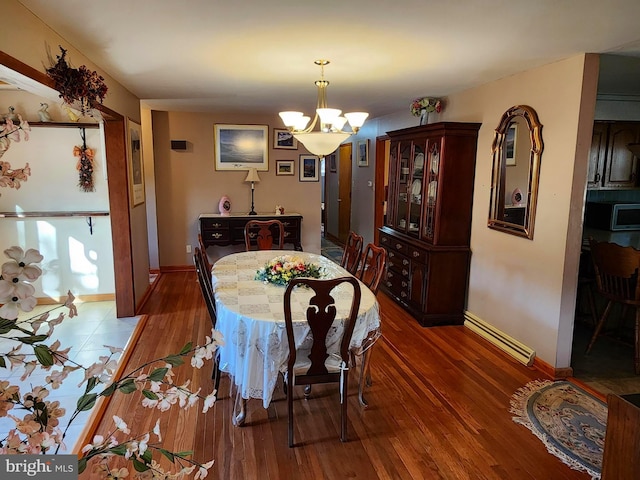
(251, 318)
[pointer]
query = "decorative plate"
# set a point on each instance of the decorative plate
(418, 162)
(416, 188)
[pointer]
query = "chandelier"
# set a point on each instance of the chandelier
(330, 135)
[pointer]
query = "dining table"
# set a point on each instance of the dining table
(250, 317)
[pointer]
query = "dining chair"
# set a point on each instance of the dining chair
(204, 279)
(371, 271)
(351, 254)
(264, 237)
(203, 251)
(317, 365)
(617, 272)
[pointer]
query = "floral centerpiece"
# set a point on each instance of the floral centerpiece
(281, 270)
(425, 103)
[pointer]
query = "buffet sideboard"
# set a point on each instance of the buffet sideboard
(222, 230)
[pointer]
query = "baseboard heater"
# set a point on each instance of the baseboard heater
(504, 342)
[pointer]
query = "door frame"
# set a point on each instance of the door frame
(119, 214)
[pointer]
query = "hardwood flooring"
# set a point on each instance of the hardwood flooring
(438, 407)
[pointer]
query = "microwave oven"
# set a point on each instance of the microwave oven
(612, 216)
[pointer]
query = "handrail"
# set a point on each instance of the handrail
(53, 214)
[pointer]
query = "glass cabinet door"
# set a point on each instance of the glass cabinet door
(392, 195)
(404, 186)
(432, 165)
(415, 189)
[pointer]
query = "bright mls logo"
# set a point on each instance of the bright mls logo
(38, 467)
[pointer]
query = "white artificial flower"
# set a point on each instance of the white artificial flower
(156, 430)
(121, 425)
(209, 401)
(24, 261)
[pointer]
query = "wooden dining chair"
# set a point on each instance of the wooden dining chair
(204, 279)
(351, 254)
(317, 365)
(203, 251)
(617, 272)
(371, 271)
(264, 236)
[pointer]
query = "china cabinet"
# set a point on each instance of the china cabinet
(426, 235)
(611, 164)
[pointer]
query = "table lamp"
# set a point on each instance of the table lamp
(252, 177)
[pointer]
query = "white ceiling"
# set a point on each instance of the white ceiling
(252, 55)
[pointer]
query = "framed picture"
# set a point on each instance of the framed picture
(308, 168)
(363, 153)
(284, 167)
(284, 139)
(510, 144)
(134, 158)
(241, 147)
(332, 163)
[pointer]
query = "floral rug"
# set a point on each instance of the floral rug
(569, 421)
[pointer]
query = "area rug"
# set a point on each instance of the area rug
(569, 421)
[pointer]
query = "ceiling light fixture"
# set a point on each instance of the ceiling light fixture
(330, 135)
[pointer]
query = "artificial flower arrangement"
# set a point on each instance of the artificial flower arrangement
(78, 87)
(425, 103)
(9, 132)
(281, 270)
(39, 430)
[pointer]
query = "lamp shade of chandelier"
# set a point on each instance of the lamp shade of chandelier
(330, 135)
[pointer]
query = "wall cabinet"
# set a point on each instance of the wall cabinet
(611, 164)
(428, 224)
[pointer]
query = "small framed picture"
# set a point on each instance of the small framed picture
(284, 139)
(134, 154)
(308, 168)
(284, 167)
(510, 145)
(332, 163)
(363, 153)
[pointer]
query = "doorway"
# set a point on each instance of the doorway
(337, 195)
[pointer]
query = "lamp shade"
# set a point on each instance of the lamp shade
(321, 143)
(252, 176)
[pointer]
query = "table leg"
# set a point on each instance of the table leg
(238, 416)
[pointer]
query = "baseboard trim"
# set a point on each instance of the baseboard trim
(93, 422)
(178, 268)
(504, 342)
(97, 297)
(553, 372)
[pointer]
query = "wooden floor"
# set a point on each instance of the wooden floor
(438, 408)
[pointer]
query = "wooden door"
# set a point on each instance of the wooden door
(344, 193)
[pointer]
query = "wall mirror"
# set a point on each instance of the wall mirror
(516, 149)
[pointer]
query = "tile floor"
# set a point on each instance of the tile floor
(96, 325)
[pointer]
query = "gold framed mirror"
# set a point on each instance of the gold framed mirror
(517, 150)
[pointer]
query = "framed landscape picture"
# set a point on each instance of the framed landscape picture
(134, 158)
(363, 153)
(284, 139)
(308, 168)
(241, 147)
(284, 167)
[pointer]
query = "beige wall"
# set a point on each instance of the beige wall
(27, 39)
(527, 288)
(187, 184)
